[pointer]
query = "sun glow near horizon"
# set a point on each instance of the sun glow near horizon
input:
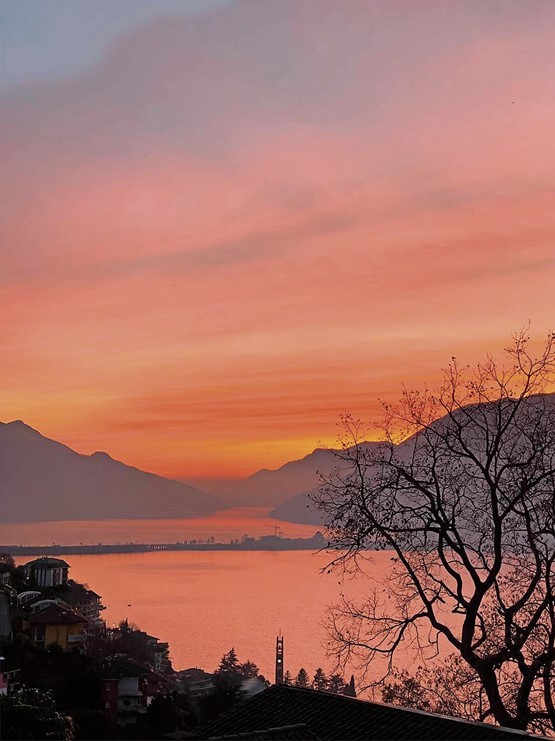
(237, 221)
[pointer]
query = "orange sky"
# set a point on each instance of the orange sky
(230, 228)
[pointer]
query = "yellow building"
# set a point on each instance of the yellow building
(56, 623)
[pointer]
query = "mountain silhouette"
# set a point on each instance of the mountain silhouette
(299, 508)
(268, 488)
(42, 479)
(271, 488)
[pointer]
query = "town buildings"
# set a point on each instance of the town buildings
(51, 609)
(128, 687)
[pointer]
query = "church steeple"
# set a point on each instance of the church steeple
(350, 690)
(279, 659)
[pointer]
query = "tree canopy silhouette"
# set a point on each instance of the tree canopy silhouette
(462, 491)
(302, 678)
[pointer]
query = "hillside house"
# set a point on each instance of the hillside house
(47, 572)
(127, 689)
(82, 599)
(5, 573)
(49, 622)
(160, 653)
(196, 682)
(8, 676)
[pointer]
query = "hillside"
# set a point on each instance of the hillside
(298, 509)
(269, 488)
(41, 479)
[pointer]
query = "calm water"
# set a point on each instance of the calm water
(231, 523)
(205, 603)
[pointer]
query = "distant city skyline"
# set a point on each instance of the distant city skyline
(226, 222)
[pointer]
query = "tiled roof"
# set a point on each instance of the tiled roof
(118, 668)
(57, 615)
(296, 732)
(337, 717)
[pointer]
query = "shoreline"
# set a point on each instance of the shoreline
(265, 543)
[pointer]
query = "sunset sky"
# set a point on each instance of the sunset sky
(225, 222)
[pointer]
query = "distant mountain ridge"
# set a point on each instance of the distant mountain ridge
(268, 488)
(136, 493)
(41, 479)
(271, 488)
(299, 508)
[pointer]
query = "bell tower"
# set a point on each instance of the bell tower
(279, 659)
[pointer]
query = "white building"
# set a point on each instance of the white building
(47, 572)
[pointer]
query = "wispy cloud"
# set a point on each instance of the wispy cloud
(275, 210)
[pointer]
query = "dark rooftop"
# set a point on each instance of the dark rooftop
(73, 593)
(56, 615)
(327, 716)
(47, 561)
(123, 666)
(296, 732)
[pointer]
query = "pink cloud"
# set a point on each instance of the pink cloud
(252, 221)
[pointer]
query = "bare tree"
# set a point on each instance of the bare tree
(452, 688)
(462, 491)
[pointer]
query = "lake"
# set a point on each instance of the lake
(202, 604)
(223, 525)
